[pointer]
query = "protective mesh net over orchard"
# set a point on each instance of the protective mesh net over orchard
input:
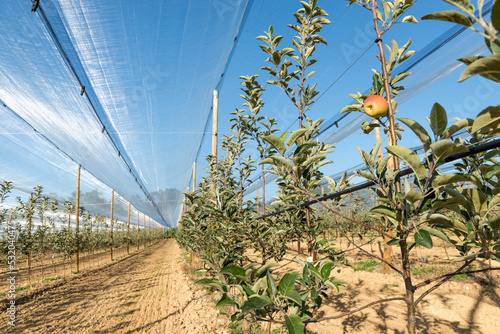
(125, 90)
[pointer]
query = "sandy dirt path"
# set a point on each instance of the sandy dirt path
(152, 292)
(147, 293)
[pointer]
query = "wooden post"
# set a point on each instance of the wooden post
(194, 176)
(186, 201)
(144, 229)
(77, 221)
(215, 120)
(128, 230)
(137, 230)
(111, 230)
(258, 208)
(149, 233)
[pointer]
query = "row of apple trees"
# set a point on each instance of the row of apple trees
(53, 239)
(240, 249)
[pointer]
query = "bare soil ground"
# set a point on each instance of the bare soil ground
(152, 292)
(57, 266)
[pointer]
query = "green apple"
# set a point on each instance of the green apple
(376, 106)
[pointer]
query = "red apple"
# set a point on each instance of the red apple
(376, 106)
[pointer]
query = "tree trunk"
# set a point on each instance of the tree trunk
(410, 289)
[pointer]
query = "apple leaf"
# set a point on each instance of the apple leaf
(410, 19)
(294, 136)
(494, 47)
(419, 131)
(413, 196)
(255, 302)
(477, 199)
(276, 143)
(444, 148)
(494, 222)
(490, 76)
(450, 16)
(234, 270)
(423, 238)
(410, 158)
(375, 150)
(400, 77)
(294, 324)
(393, 242)
(352, 107)
(487, 65)
(495, 15)
(459, 125)
(438, 120)
(487, 119)
(287, 283)
(225, 300)
(443, 180)
(435, 232)
(280, 161)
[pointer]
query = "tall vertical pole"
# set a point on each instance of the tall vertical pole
(77, 221)
(128, 230)
(215, 122)
(194, 176)
(150, 242)
(137, 230)
(111, 229)
(144, 229)
(258, 202)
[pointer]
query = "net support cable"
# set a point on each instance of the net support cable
(473, 150)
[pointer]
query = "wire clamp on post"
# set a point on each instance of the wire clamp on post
(82, 91)
(378, 40)
(34, 5)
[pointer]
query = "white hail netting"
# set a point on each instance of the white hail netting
(148, 73)
(149, 69)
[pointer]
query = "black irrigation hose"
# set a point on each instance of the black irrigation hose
(473, 150)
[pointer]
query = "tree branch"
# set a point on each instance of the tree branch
(422, 296)
(355, 310)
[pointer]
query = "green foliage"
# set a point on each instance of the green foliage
(461, 208)
(257, 293)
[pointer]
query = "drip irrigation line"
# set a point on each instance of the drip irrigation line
(416, 149)
(473, 150)
(65, 57)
